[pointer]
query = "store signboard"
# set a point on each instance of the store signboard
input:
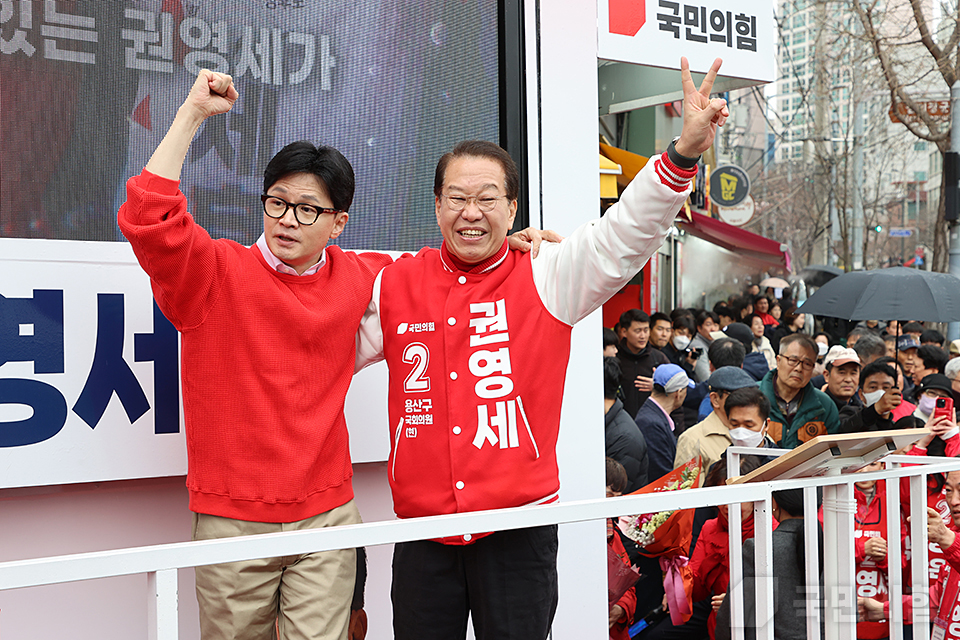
(738, 215)
(657, 32)
(729, 185)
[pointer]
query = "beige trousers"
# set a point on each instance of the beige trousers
(304, 597)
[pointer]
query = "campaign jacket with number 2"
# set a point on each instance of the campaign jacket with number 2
(478, 359)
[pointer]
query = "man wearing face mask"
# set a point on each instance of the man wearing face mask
(879, 396)
(747, 412)
(676, 349)
(710, 437)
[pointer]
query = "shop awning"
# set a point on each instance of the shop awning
(609, 170)
(630, 163)
(758, 250)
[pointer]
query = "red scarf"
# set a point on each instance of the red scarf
(746, 526)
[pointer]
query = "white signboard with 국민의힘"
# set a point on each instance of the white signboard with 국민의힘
(657, 32)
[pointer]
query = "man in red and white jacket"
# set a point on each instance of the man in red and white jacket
(474, 403)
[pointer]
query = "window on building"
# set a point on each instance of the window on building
(920, 145)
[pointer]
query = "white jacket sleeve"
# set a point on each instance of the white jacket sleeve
(578, 275)
(369, 335)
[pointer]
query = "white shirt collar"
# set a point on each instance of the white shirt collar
(278, 265)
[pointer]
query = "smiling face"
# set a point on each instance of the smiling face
(296, 245)
(472, 235)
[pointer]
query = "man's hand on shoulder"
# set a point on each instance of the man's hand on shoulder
(701, 115)
(529, 239)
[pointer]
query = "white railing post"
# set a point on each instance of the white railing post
(812, 560)
(840, 602)
(735, 588)
(918, 557)
(162, 618)
(894, 555)
(763, 535)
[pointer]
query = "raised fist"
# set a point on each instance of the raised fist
(212, 93)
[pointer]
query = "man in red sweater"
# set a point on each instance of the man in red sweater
(268, 339)
(477, 339)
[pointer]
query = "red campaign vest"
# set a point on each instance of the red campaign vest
(871, 521)
(935, 558)
(477, 368)
(946, 621)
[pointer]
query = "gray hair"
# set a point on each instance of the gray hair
(870, 347)
(952, 370)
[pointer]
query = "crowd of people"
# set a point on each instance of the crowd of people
(749, 372)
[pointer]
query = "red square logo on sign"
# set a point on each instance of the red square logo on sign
(627, 16)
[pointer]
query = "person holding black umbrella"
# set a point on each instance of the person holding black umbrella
(879, 396)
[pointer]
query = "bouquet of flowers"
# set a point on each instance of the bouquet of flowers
(666, 532)
(667, 535)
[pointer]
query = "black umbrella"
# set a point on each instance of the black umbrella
(896, 293)
(817, 275)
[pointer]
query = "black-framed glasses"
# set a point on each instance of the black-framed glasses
(793, 361)
(305, 214)
(486, 204)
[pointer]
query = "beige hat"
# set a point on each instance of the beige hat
(839, 355)
(955, 347)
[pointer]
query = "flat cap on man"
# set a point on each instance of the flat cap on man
(730, 379)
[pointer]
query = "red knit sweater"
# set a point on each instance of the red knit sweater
(266, 360)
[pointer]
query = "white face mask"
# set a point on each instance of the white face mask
(743, 437)
(681, 342)
(871, 398)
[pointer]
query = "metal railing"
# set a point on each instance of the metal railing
(160, 562)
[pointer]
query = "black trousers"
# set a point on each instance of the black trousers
(507, 582)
